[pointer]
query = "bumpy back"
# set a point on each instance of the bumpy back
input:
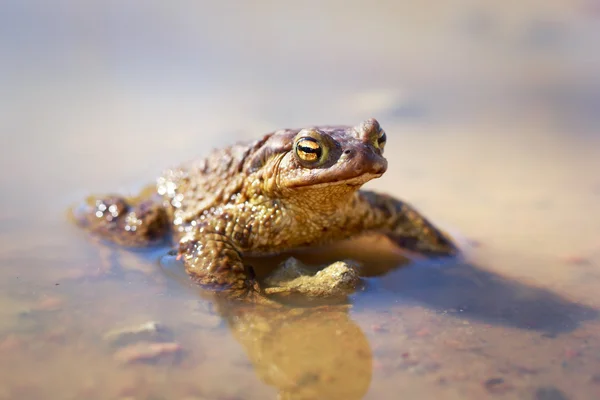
(203, 183)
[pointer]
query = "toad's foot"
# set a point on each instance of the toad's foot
(404, 225)
(114, 219)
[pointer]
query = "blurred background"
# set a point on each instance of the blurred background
(486, 105)
(492, 111)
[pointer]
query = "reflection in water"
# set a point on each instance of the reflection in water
(306, 353)
(320, 352)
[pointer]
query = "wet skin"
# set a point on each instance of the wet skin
(290, 189)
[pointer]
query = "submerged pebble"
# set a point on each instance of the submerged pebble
(497, 385)
(148, 331)
(147, 352)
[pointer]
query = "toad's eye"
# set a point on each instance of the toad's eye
(309, 150)
(381, 139)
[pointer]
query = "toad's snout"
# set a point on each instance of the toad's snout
(365, 161)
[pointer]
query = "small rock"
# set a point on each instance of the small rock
(147, 352)
(549, 393)
(148, 331)
(496, 385)
(338, 279)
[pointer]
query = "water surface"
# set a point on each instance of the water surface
(492, 120)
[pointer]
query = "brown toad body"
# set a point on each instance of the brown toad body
(292, 188)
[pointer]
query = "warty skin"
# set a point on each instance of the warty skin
(292, 188)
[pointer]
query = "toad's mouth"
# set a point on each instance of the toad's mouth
(354, 182)
(359, 180)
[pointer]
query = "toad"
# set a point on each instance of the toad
(290, 189)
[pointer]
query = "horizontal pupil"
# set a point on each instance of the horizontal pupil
(310, 149)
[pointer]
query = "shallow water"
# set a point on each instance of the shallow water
(492, 118)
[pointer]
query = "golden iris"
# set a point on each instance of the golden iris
(309, 149)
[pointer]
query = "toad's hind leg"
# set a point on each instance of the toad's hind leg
(116, 219)
(404, 225)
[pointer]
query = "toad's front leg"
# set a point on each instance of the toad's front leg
(214, 262)
(403, 224)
